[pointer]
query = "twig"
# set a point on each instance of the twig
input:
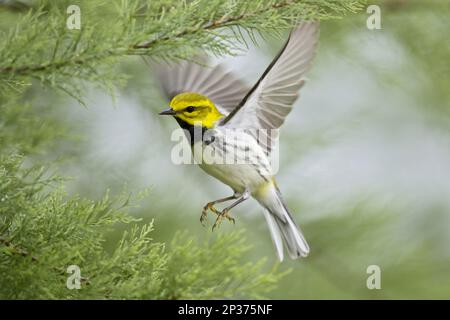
(222, 22)
(132, 49)
(17, 250)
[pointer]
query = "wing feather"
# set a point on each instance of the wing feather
(268, 103)
(224, 88)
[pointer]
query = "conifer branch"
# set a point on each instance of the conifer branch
(39, 221)
(220, 23)
(201, 29)
(16, 250)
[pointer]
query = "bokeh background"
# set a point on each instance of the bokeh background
(365, 157)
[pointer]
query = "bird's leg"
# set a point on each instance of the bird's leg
(225, 212)
(210, 206)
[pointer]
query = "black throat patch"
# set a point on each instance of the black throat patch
(192, 133)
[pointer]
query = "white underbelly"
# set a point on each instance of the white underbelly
(239, 177)
(239, 163)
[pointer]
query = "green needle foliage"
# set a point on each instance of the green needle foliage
(43, 229)
(40, 46)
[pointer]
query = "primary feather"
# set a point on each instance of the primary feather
(224, 88)
(268, 103)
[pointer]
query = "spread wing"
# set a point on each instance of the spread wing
(271, 99)
(224, 88)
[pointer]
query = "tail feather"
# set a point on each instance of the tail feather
(282, 227)
(275, 233)
(293, 238)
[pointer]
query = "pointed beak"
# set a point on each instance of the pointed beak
(167, 112)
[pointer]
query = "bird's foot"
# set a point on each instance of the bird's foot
(220, 216)
(206, 208)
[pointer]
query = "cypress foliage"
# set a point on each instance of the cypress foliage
(43, 230)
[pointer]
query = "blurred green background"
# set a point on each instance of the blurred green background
(365, 157)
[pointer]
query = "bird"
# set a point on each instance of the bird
(236, 121)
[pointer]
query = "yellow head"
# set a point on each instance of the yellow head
(194, 109)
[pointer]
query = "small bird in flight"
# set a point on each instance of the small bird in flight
(241, 123)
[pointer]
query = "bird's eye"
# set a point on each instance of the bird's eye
(190, 109)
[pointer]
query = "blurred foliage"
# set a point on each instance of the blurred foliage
(418, 30)
(43, 229)
(39, 45)
(408, 63)
(42, 233)
(115, 250)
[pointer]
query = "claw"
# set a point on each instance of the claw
(203, 217)
(208, 206)
(220, 216)
(217, 222)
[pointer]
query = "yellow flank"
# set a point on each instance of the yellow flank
(195, 109)
(264, 188)
(274, 182)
